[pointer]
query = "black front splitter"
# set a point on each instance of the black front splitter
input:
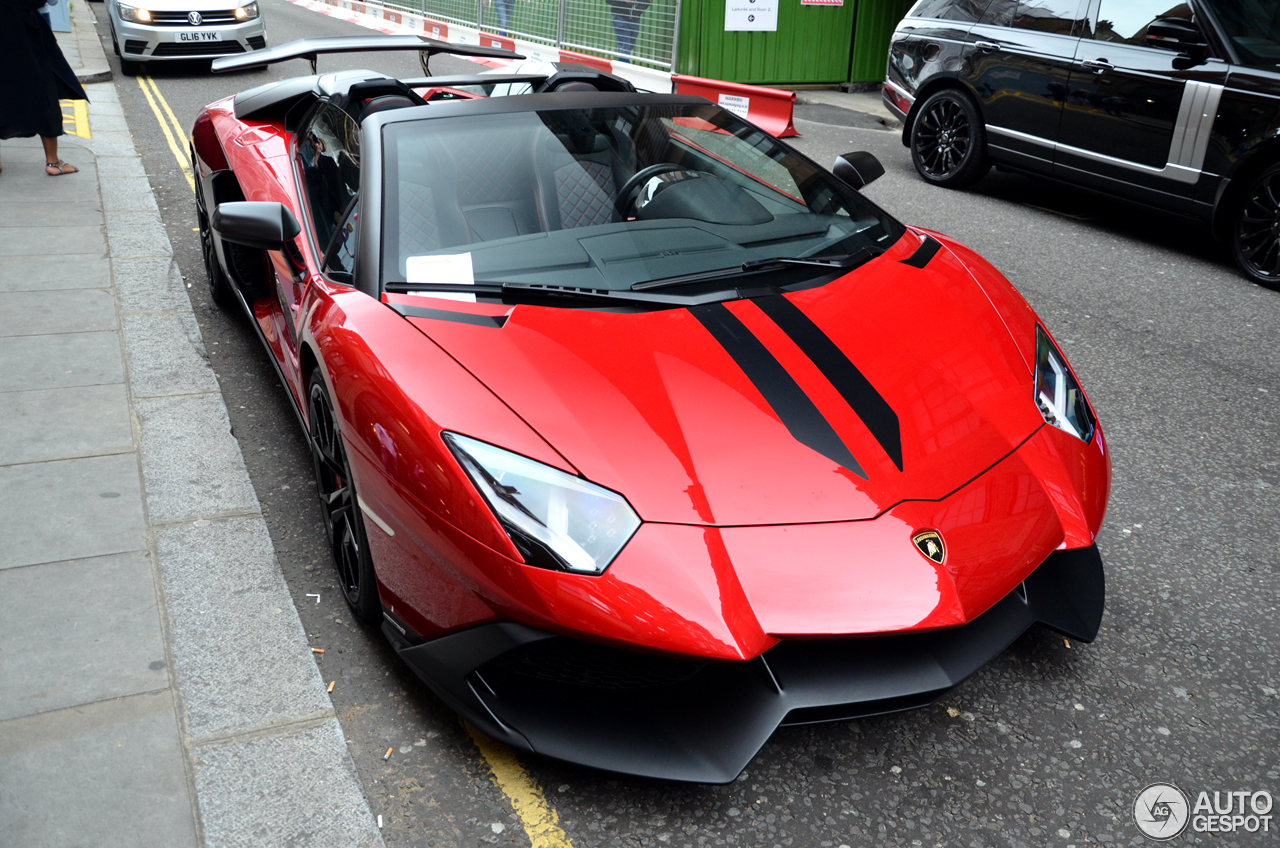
(703, 722)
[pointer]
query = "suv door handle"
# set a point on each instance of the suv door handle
(1097, 65)
(986, 46)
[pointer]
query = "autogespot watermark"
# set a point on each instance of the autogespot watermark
(1163, 811)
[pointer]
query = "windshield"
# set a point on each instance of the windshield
(608, 198)
(1253, 26)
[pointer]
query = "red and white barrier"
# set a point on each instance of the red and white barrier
(768, 108)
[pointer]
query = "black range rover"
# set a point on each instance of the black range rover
(1170, 103)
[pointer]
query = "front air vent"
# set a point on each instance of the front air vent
(135, 46)
(222, 17)
(197, 48)
(569, 662)
(861, 709)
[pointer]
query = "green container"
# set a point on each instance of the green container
(876, 22)
(811, 46)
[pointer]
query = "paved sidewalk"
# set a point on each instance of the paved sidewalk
(81, 46)
(156, 686)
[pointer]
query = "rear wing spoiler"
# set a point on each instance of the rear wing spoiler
(311, 48)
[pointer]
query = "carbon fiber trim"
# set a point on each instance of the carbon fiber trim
(490, 321)
(680, 719)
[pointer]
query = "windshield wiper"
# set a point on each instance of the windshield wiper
(839, 263)
(513, 291)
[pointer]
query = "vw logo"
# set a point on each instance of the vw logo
(194, 18)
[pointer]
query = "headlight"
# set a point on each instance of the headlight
(247, 12)
(134, 14)
(1057, 393)
(556, 520)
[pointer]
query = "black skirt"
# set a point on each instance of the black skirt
(34, 75)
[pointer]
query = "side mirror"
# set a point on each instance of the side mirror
(1176, 34)
(264, 226)
(858, 169)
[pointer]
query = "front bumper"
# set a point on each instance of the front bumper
(143, 43)
(703, 722)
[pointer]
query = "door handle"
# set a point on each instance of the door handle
(986, 46)
(1098, 66)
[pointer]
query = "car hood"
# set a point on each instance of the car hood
(188, 5)
(892, 383)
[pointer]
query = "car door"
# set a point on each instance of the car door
(326, 162)
(1019, 68)
(1135, 122)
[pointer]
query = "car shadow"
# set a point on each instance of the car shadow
(1166, 230)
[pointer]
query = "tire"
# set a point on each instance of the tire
(130, 68)
(1255, 229)
(115, 45)
(343, 520)
(219, 286)
(949, 140)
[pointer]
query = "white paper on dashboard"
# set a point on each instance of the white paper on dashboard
(442, 269)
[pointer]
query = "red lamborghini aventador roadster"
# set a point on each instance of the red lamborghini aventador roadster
(636, 429)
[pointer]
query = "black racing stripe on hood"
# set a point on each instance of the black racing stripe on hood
(923, 253)
(490, 321)
(862, 397)
(798, 413)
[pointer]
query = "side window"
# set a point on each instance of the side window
(1126, 21)
(340, 258)
(1058, 17)
(328, 161)
(966, 11)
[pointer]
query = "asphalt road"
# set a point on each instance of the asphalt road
(1048, 745)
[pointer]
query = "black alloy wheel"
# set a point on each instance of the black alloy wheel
(219, 286)
(343, 522)
(1255, 236)
(948, 141)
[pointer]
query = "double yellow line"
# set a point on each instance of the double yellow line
(541, 824)
(75, 117)
(169, 125)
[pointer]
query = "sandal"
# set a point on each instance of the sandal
(62, 168)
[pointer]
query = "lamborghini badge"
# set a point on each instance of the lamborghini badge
(930, 544)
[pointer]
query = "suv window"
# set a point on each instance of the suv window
(328, 162)
(1126, 21)
(1253, 27)
(968, 11)
(1053, 16)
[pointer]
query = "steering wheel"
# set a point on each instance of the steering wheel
(631, 186)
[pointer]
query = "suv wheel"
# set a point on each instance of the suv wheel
(1255, 232)
(949, 141)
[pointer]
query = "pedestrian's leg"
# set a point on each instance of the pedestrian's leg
(625, 31)
(54, 166)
